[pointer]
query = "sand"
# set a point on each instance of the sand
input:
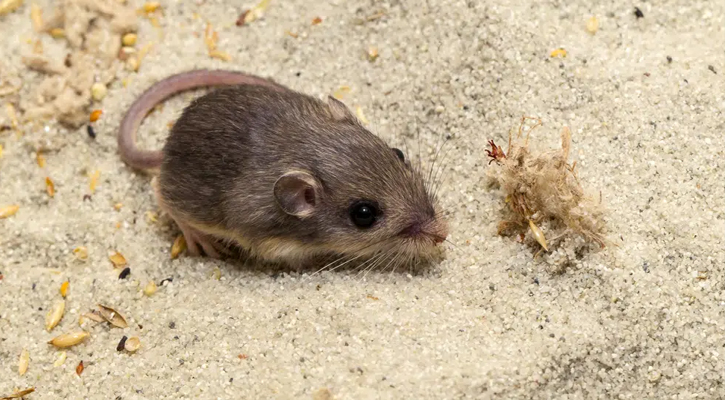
(642, 319)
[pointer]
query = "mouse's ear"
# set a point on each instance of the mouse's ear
(297, 193)
(338, 109)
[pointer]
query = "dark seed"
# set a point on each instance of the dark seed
(87, 197)
(172, 325)
(669, 60)
(121, 344)
(711, 68)
(165, 280)
(638, 13)
(125, 273)
(91, 132)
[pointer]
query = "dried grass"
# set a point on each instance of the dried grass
(544, 190)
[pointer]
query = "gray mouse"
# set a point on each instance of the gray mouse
(285, 176)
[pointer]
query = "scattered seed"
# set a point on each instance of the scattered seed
(69, 339)
(64, 288)
(95, 115)
(98, 91)
(40, 159)
(361, 116)
(19, 394)
(61, 359)
(216, 273)
(166, 280)
(91, 131)
(293, 34)
(221, 55)
(150, 289)
(94, 180)
(711, 68)
(49, 187)
(558, 53)
(669, 60)
(23, 362)
(638, 13)
(36, 15)
(151, 6)
(8, 211)
(592, 25)
(118, 206)
(132, 344)
(79, 368)
(12, 115)
(81, 253)
(117, 259)
(93, 316)
(242, 18)
(256, 12)
(112, 316)
(121, 344)
(57, 33)
(151, 216)
(54, 315)
(129, 39)
(1, 150)
(125, 273)
(8, 6)
(371, 297)
(538, 235)
(178, 247)
(316, 21)
(125, 53)
(341, 92)
(372, 54)
(132, 63)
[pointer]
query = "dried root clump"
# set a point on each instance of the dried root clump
(544, 190)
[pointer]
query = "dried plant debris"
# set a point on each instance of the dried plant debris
(543, 190)
(19, 394)
(90, 32)
(112, 316)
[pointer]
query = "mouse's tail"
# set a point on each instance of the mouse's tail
(145, 159)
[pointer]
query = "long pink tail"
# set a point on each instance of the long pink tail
(144, 159)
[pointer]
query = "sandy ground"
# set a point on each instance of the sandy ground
(643, 319)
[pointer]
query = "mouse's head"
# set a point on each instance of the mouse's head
(361, 197)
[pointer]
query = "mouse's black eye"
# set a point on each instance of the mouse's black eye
(363, 214)
(399, 154)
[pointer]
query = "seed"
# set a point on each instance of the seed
(117, 259)
(121, 344)
(93, 316)
(54, 315)
(372, 54)
(558, 53)
(592, 25)
(69, 339)
(36, 15)
(151, 6)
(23, 362)
(151, 216)
(98, 91)
(94, 180)
(150, 289)
(129, 39)
(40, 159)
(64, 288)
(57, 33)
(118, 206)
(8, 6)
(340, 92)
(132, 344)
(79, 368)
(61, 359)
(95, 115)
(49, 187)
(112, 316)
(538, 234)
(222, 55)
(81, 253)
(132, 63)
(1, 150)
(8, 211)
(91, 131)
(216, 273)
(178, 247)
(125, 273)
(361, 116)
(316, 21)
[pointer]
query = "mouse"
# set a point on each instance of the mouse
(285, 177)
